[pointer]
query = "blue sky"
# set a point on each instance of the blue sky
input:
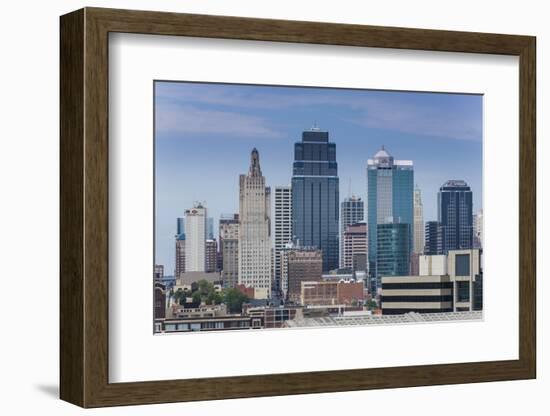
(204, 134)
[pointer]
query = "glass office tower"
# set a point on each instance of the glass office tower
(315, 195)
(393, 250)
(454, 211)
(390, 190)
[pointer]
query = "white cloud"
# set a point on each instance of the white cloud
(387, 113)
(182, 119)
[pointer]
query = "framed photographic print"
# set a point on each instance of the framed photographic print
(255, 207)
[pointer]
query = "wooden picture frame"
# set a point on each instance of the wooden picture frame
(84, 207)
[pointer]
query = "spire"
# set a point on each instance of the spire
(254, 163)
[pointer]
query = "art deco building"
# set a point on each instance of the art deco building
(315, 195)
(255, 230)
(195, 239)
(351, 212)
(229, 250)
(418, 244)
(390, 213)
(283, 228)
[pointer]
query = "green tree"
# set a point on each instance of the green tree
(197, 299)
(371, 305)
(234, 300)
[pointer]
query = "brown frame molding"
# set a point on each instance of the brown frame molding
(84, 207)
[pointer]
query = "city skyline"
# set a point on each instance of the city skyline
(199, 150)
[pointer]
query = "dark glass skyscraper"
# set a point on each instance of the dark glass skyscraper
(432, 238)
(454, 211)
(315, 195)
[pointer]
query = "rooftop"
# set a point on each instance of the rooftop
(408, 318)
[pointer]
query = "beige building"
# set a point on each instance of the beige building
(422, 294)
(229, 250)
(447, 283)
(255, 230)
(464, 269)
(432, 265)
(418, 225)
(354, 247)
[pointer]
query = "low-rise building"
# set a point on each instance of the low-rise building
(422, 294)
(342, 292)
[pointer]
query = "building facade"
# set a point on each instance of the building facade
(229, 250)
(354, 247)
(455, 215)
(303, 264)
(180, 255)
(418, 245)
(478, 229)
(158, 272)
(195, 238)
(393, 251)
(283, 228)
(433, 243)
(255, 230)
(352, 211)
(315, 195)
(390, 187)
(211, 256)
(431, 265)
(464, 269)
(422, 294)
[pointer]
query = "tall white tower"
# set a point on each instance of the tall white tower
(283, 227)
(195, 238)
(255, 230)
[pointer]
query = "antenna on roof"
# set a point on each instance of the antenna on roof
(349, 187)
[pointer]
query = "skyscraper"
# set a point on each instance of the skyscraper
(432, 238)
(354, 247)
(195, 238)
(418, 245)
(389, 201)
(283, 227)
(393, 250)
(255, 230)
(351, 212)
(315, 195)
(229, 250)
(454, 213)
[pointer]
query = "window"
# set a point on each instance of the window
(463, 291)
(462, 265)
